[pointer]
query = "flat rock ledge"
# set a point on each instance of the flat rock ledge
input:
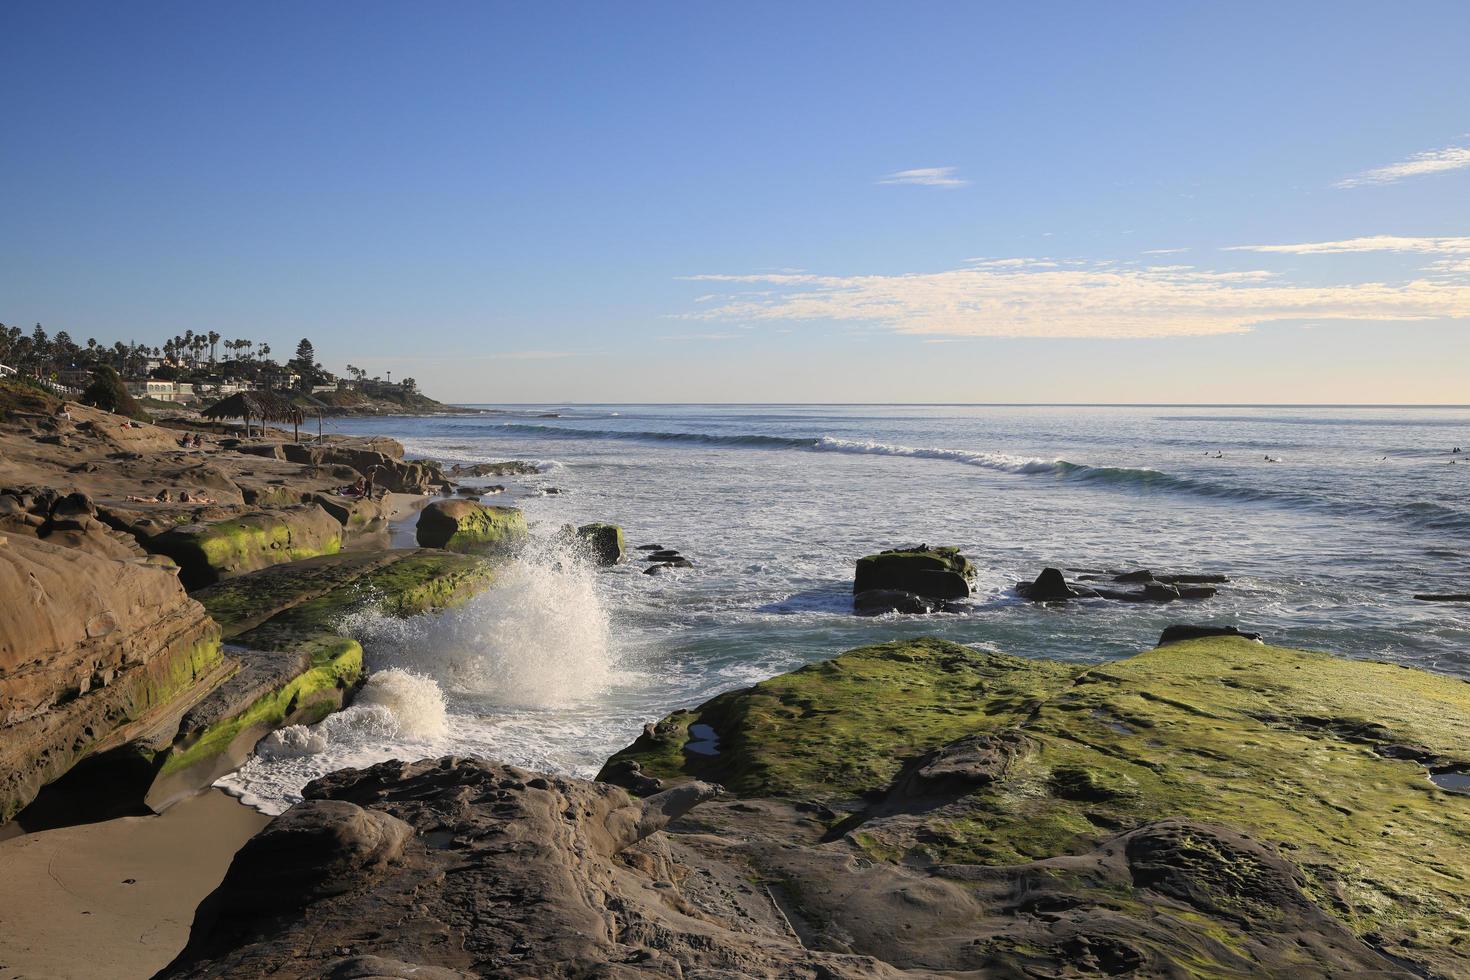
(1215, 806)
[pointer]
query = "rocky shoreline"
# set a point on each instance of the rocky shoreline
(1216, 806)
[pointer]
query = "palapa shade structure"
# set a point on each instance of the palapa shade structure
(263, 405)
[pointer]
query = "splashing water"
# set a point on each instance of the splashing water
(394, 704)
(539, 638)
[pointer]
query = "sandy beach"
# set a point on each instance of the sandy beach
(115, 898)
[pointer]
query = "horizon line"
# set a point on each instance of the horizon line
(986, 404)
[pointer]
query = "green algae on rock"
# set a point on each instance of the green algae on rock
(294, 666)
(1322, 760)
(936, 573)
(469, 526)
(208, 553)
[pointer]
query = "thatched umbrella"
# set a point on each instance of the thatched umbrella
(263, 405)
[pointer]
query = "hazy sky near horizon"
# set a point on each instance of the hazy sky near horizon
(1142, 202)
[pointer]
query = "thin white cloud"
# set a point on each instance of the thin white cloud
(926, 177)
(1105, 300)
(1370, 243)
(1164, 251)
(1418, 165)
(536, 355)
(703, 336)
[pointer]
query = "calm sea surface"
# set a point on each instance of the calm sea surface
(1326, 519)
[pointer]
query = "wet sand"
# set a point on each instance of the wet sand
(114, 899)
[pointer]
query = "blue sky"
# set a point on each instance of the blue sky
(759, 202)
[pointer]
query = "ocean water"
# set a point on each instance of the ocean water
(1327, 520)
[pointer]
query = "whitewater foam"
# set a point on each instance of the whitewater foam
(538, 638)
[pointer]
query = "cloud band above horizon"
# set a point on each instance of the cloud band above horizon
(1098, 300)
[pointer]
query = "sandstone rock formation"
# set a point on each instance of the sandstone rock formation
(471, 868)
(93, 652)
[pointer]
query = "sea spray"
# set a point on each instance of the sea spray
(539, 638)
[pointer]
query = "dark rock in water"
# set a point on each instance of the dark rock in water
(466, 491)
(1050, 586)
(1197, 592)
(876, 602)
(1142, 575)
(1158, 592)
(1444, 597)
(1211, 579)
(1121, 595)
(675, 562)
(1181, 632)
(663, 554)
(603, 543)
(935, 573)
(549, 491)
(650, 547)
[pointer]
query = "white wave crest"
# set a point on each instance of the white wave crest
(1003, 462)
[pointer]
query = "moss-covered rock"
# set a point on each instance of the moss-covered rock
(284, 625)
(935, 573)
(603, 543)
(470, 526)
(1326, 761)
(207, 553)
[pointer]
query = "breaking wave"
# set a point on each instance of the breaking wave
(1425, 515)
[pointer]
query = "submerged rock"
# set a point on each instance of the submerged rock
(470, 526)
(876, 602)
(1051, 586)
(1180, 633)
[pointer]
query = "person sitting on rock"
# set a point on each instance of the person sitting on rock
(357, 489)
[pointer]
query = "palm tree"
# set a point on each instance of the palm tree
(213, 340)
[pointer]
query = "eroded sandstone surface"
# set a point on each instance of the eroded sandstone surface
(1214, 807)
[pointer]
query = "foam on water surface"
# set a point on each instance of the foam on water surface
(560, 665)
